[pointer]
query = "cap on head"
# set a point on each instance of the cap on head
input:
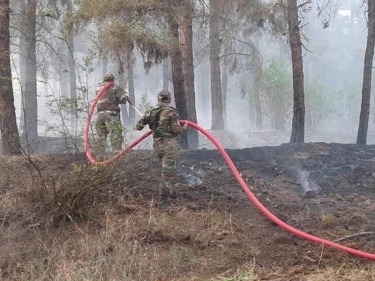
(164, 95)
(108, 77)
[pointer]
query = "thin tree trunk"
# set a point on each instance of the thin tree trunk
(30, 101)
(22, 61)
(215, 46)
(257, 77)
(204, 91)
(367, 76)
(224, 87)
(8, 123)
(64, 71)
(104, 63)
(178, 79)
(71, 65)
(258, 109)
(186, 43)
(298, 126)
(122, 83)
(130, 64)
(166, 73)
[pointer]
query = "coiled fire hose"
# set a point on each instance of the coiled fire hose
(235, 172)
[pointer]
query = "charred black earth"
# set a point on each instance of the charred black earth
(323, 189)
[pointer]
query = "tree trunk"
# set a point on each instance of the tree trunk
(178, 79)
(166, 74)
(298, 126)
(71, 65)
(8, 123)
(104, 63)
(215, 46)
(22, 61)
(130, 65)
(186, 43)
(64, 71)
(258, 109)
(29, 99)
(122, 83)
(367, 76)
(224, 87)
(257, 77)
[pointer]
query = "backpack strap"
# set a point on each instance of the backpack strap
(154, 117)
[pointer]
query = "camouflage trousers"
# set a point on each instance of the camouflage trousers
(168, 151)
(109, 123)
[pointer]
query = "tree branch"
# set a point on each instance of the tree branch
(354, 235)
(303, 4)
(235, 53)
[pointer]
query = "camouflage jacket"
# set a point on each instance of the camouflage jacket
(163, 120)
(111, 99)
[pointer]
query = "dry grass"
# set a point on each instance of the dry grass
(344, 275)
(51, 233)
(74, 222)
(144, 245)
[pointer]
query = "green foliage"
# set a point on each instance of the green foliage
(276, 93)
(88, 60)
(327, 219)
(318, 104)
(276, 76)
(67, 105)
(129, 24)
(49, 14)
(145, 103)
(347, 105)
(77, 169)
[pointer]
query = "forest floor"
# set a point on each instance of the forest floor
(63, 219)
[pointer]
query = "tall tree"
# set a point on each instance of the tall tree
(130, 61)
(215, 47)
(68, 31)
(298, 125)
(29, 92)
(224, 85)
(166, 73)
(8, 123)
(186, 44)
(367, 75)
(178, 77)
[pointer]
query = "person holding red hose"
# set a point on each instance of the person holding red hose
(108, 115)
(163, 120)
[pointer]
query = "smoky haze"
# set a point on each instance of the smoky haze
(333, 68)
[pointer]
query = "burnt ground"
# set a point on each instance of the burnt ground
(324, 189)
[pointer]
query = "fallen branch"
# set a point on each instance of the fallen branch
(321, 255)
(354, 235)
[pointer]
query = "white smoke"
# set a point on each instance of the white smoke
(308, 186)
(194, 177)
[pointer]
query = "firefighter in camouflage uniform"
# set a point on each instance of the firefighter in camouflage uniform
(108, 115)
(163, 120)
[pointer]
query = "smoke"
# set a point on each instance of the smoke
(309, 187)
(193, 177)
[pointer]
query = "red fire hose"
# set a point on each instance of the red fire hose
(236, 173)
